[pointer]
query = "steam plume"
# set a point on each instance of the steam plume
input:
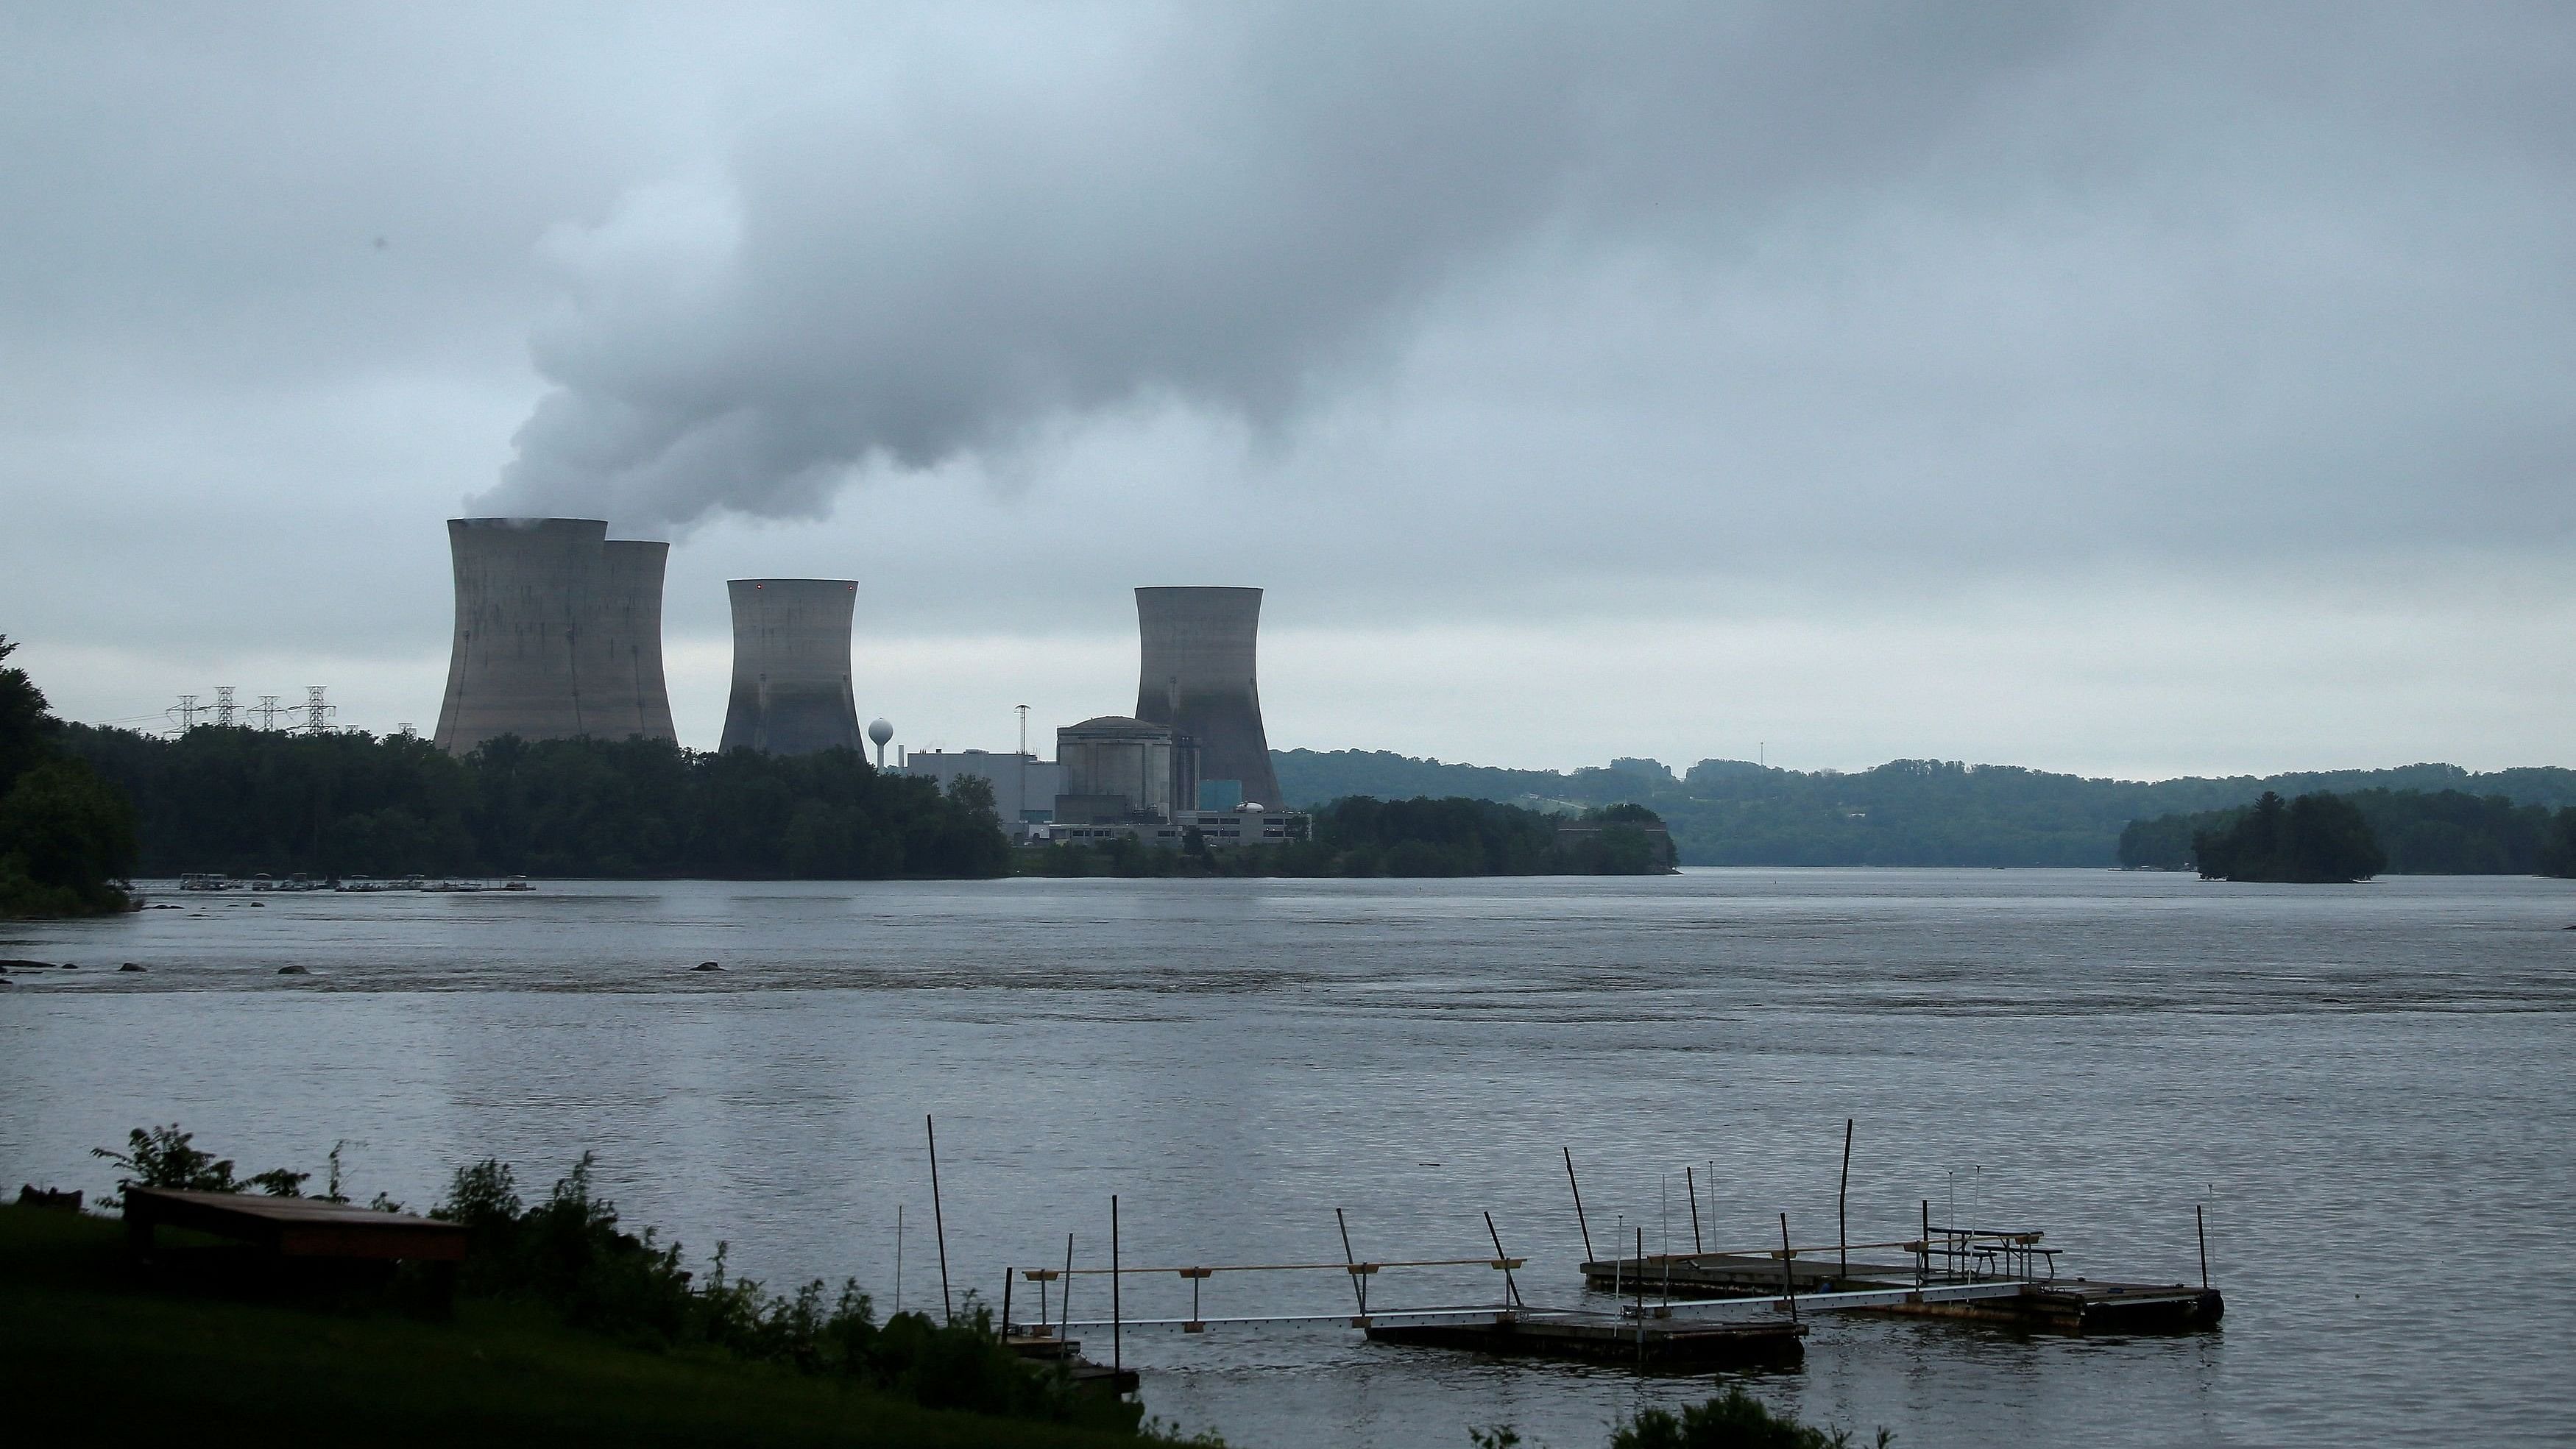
(1211, 205)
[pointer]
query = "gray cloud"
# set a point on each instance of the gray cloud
(1226, 206)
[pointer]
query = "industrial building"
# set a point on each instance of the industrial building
(1196, 676)
(791, 667)
(1136, 779)
(1116, 769)
(1234, 829)
(1025, 788)
(558, 634)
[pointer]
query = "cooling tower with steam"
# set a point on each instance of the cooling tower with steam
(1197, 677)
(791, 666)
(558, 634)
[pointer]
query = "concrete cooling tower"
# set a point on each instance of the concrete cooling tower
(791, 666)
(1197, 677)
(558, 634)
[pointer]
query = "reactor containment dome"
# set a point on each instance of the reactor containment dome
(558, 634)
(791, 666)
(1197, 677)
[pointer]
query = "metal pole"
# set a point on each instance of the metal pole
(1692, 1185)
(1842, 1202)
(1117, 1314)
(1578, 1204)
(1006, 1306)
(898, 1257)
(939, 1221)
(1641, 1293)
(1923, 1255)
(1511, 1288)
(1788, 1280)
(2200, 1225)
(1359, 1281)
(1064, 1304)
(1664, 1230)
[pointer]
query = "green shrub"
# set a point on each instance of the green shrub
(1732, 1420)
(168, 1157)
(568, 1253)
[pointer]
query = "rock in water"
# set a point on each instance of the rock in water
(129, 966)
(706, 966)
(293, 971)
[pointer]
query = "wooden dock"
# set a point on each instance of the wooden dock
(1821, 1283)
(1698, 1309)
(1520, 1331)
(1653, 1340)
(1039, 1344)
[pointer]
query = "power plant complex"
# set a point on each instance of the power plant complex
(559, 636)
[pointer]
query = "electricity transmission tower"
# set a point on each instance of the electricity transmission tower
(317, 714)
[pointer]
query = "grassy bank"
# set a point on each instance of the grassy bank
(98, 1353)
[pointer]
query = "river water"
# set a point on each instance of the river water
(2367, 1088)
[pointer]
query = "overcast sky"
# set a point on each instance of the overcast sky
(2137, 390)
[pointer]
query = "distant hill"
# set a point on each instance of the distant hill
(1905, 812)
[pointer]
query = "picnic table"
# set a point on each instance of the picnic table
(298, 1227)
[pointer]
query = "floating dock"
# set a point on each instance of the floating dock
(1689, 1310)
(1595, 1337)
(1039, 1343)
(1989, 1277)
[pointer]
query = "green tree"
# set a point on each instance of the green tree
(2557, 853)
(68, 830)
(26, 728)
(2314, 839)
(67, 838)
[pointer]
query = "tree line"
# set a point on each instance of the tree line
(245, 801)
(2442, 832)
(1905, 812)
(1421, 837)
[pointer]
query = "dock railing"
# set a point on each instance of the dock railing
(1940, 1254)
(1055, 1297)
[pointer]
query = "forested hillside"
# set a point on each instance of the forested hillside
(1905, 812)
